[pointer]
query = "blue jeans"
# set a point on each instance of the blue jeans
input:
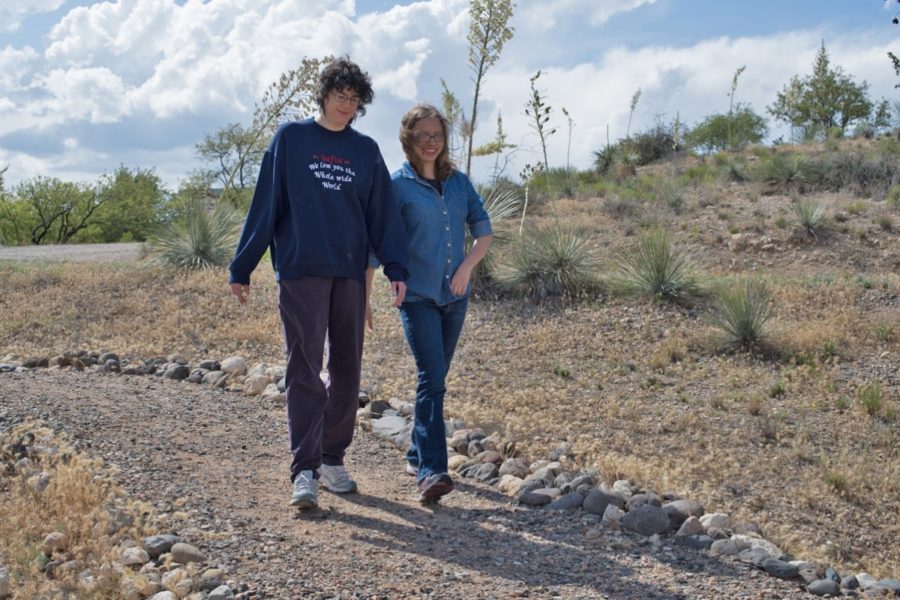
(432, 332)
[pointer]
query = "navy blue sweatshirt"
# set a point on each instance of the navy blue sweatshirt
(322, 199)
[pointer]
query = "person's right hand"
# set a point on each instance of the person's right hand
(241, 291)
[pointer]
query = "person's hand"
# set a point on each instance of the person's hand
(241, 291)
(460, 282)
(369, 322)
(399, 291)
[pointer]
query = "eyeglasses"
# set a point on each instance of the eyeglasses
(345, 99)
(423, 137)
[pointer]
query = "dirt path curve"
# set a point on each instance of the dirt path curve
(222, 459)
(73, 252)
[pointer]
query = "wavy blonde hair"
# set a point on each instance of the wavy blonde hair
(443, 166)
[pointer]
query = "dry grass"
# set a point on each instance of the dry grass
(636, 387)
(75, 503)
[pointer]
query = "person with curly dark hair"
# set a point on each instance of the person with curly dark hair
(322, 201)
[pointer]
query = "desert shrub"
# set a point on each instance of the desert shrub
(735, 170)
(781, 172)
(870, 399)
(655, 268)
(552, 263)
(605, 160)
(561, 183)
(657, 143)
(893, 197)
(728, 131)
(856, 173)
(741, 312)
(621, 159)
(502, 203)
(698, 174)
(620, 207)
(199, 240)
(810, 215)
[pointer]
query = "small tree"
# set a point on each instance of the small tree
(824, 99)
(488, 33)
(498, 148)
(54, 211)
(728, 132)
(132, 202)
(235, 151)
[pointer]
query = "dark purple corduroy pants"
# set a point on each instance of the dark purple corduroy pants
(321, 415)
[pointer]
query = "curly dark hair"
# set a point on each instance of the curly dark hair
(443, 166)
(342, 74)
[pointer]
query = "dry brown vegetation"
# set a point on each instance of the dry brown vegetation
(795, 439)
(81, 501)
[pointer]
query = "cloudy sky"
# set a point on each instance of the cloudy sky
(88, 86)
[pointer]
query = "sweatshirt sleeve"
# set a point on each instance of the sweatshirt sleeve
(387, 234)
(259, 226)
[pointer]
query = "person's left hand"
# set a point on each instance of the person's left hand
(369, 322)
(460, 282)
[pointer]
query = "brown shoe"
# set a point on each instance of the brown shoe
(434, 486)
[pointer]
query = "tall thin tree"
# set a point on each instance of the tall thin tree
(634, 100)
(734, 83)
(488, 32)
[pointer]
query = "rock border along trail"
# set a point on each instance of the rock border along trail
(221, 458)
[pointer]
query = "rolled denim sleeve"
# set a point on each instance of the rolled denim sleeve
(477, 218)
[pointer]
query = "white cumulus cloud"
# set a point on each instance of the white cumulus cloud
(12, 12)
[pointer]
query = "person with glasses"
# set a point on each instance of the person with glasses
(438, 204)
(322, 201)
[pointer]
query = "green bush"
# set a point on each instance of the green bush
(728, 132)
(552, 263)
(655, 144)
(782, 172)
(870, 398)
(741, 312)
(199, 239)
(655, 268)
(810, 215)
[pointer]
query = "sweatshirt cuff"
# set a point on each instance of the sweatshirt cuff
(395, 273)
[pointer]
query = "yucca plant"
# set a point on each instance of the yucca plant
(655, 268)
(501, 203)
(199, 239)
(782, 171)
(741, 312)
(552, 262)
(810, 215)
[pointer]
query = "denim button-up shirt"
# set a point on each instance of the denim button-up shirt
(436, 229)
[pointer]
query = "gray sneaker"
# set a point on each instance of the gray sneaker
(306, 491)
(336, 479)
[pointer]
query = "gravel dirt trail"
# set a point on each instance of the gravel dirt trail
(221, 458)
(73, 252)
